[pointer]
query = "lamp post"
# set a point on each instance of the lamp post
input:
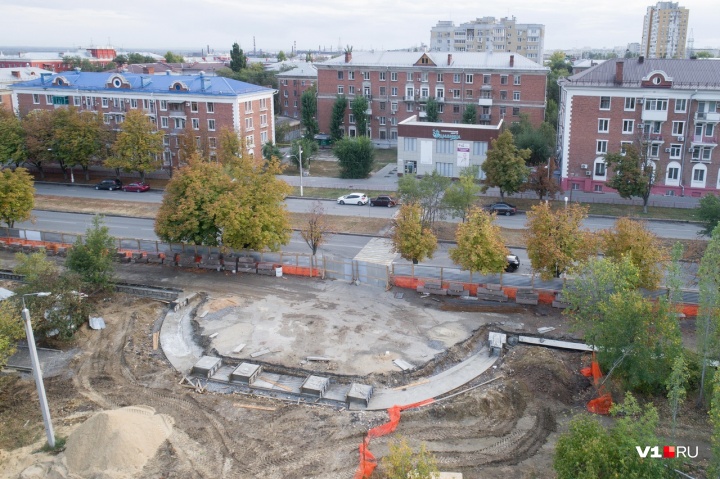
(37, 373)
(300, 164)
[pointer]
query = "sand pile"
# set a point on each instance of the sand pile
(118, 443)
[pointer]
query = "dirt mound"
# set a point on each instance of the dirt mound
(502, 403)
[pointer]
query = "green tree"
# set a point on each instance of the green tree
(634, 174)
(356, 157)
(432, 110)
(708, 320)
(238, 60)
(79, 138)
(504, 166)
(676, 388)
(171, 57)
(410, 238)
(134, 58)
(469, 114)
(554, 239)
(17, 196)
(428, 192)
(588, 451)
(359, 107)
(316, 229)
(38, 271)
(338, 117)
(12, 139)
(11, 330)
(308, 112)
(461, 195)
(271, 150)
(38, 128)
(480, 247)
(542, 181)
(403, 463)
(702, 55)
(309, 148)
(709, 212)
(540, 141)
(92, 259)
(138, 146)
(714, 469)
(559, 67)
(551, 112)
(120, 60)
(281, 57)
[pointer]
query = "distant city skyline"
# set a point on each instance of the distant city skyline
(192, 25)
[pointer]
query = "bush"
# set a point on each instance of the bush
(355, 157)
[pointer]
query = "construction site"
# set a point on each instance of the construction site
(251, 376)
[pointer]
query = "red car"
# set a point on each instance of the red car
(138, 187)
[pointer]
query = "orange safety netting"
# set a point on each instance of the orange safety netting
(368, 463)
(602, 403)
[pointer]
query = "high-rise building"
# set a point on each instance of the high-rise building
(665, 31)
(490, 34)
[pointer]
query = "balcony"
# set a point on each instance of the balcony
(368, 96)
(485, 102)
(176, 114)
(702, 140)
(654, 115)
(440, 99)
(409, 98)
(485, 117)
(368, 112)
(707, 116)
(423, 98)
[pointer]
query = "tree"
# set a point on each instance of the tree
(540, 141)
(410, 238)
(542, 181)
(559, 67)
(11, 330)
(359, 107)
(309, 148)
(480, 247)
(92, 259)
(38, 128)
(714, 469)
(271, 150)
(134, 58)
(676, 388)
(171, 57)
(120, 60)
(355, 157)
(229, 146)
(555, 240)
(709, 212)
(702, 55)
(461, 195)
(504, 166)
(315, 230)
(138, 146)
(551, 112)
(708, 319)
(12, 139)
(632, 239)
(337, 117)
(281, 57)
(17, 196)
(78, 138)
(39, 273)
(308, 112)
(588, 451)
(427, 192)
(469, 114)
(238, 60)
(634, 173)
(402, 463)
(432, 110)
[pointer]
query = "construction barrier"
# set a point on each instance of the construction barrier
(603, 403)
(368, 462)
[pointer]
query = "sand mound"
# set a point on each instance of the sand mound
(216, 304)
(116, 444)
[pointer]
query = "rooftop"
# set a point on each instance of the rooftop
(300, 70)
(477, 60)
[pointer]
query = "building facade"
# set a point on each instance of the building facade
(447, 148)
(666, 108)
(292, 84)
(490, 34)
(53, 61)
(175, 104)
(665, 29)
(10, 76)
(398, 85)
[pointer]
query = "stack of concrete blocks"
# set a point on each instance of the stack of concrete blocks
(432, 287)
(156, 258)
(559, 302)
(120, 257)
(246, 264)
(526, 296)
(315, 386)
(206, 366)
(185, 260)
(359, 395)
(211, 261)
(457, 290)
(492, 292)
(138, 257)
(268, 269)
(246, 373)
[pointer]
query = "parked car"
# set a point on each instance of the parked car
(383, 200)
(501, 208)
(109, 184)
(353, 199)
(138, 187)
(513, 263)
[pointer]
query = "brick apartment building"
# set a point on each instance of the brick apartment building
(399, 84)
(173, 102)
(9, 76)
(53, 61)
(292, 84)
(666, 107)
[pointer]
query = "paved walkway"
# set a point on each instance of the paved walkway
(177, 342)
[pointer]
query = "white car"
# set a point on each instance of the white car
(353, 199)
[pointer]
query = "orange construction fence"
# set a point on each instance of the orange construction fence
(602, 403)
(368, 462)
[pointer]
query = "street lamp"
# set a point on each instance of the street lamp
(299, 163)
(37, 373)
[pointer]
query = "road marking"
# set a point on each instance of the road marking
(377, 251)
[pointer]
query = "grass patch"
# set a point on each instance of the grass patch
(59, 445)
(346, 224)
(68, 204)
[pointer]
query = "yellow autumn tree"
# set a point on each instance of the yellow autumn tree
(17, 196)
(138, 146)
(480, 246)
(413, 241)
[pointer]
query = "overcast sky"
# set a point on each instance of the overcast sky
(159, 25)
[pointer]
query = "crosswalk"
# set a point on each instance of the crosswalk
(377, 251)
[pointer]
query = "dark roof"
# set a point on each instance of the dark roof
(685, 74)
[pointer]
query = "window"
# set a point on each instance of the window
(179, 123)
(76, 101)
(673, 172)
(341, 89)
(630, 104)
(382, 76)
(439, 78)
(654, 150)
(115, 102)
(503, 94)
(166, 140)
(709, 128)
(480, 148)
(195, 123)
(393, 91)
(680, 105)
(248, 124)
(516, 80)
(382, 121)
(503, 79)
(516, 111)
(656, 104)
(698, 176)
(212, 142)
(351, 119)
(486, 79)
(164, 121)
(576, 186)
(468, 93)
(383, 91)
(133, 103)
(675, 151)
(601, 147)
(456, 93)
(444, 147)
(211, 125)
(263, 137)
(382, 105)
(678, 128)
(597, 188)
(393, 106)
(468, 78)
(409, 107)
(49, 100)
(409, 76)
(503, 111)
(516, 96)
(366, 76)
(248, 107)
(623, 147)
(393, 135)
(599, 168)
(104, 102)
(36, 99)
(628, 127)
(209, 106)
(409, 93)
(194, 106)
(409, 144)
(604, 102)
(351, 75)
(444, 169)
(340, 75)
(250, 141)
(393, 76)
(456, 78)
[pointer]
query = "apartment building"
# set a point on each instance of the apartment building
(490, 34)
(665, 30)
(53, 61)
(173, 102)
(292, 84)
(9, 76)
(668, 108)
(399, 84)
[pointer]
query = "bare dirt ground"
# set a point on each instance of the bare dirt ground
(505, 429)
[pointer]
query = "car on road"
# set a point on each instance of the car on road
(501, 208)
(383, 200)
(109, 184)
(353, 199)
(138, 187)
(513, 263)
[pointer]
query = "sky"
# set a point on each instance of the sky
(192, 25)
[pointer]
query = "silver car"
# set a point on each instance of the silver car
(353, 199)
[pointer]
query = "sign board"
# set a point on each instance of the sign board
(426, 151)
(463, 154)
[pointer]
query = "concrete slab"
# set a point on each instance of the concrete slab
(554, 343)
(177, 341)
